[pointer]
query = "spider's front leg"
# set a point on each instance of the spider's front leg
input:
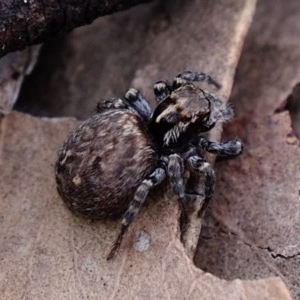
(175, 170)
(139, 198)
(189, 77)
(189, 192)
(113, 103)
(162, 89)
(136, 101)
(223, 149)
(199, 165)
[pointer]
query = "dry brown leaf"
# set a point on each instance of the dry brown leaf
(47, 252)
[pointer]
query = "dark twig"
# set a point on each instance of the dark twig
(29, 22)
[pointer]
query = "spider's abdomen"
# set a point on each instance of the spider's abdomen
(102, 163)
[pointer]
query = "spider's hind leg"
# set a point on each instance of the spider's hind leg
(139, 198)
(188, 77)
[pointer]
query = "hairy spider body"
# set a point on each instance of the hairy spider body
(88, 178)
(110, 162)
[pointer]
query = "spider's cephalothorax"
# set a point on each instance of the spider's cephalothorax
(110, 162)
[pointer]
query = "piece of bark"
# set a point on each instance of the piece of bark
(257, 207)
(28, 22)
(13, 69)
(48, 253)
(161, 40)
(136, 48)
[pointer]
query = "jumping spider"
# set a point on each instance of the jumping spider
(110, 162)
